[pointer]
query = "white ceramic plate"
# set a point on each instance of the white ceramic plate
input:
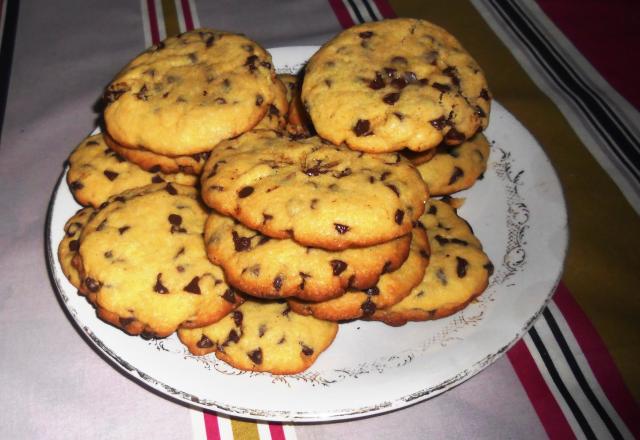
(517, 211)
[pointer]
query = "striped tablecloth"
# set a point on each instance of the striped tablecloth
(567, 70)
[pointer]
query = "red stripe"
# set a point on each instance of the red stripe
(276, 431)
(385, 9)
(153, 22)
(341, 13)
(548, 410)
(211, 426)
(186, 11)
(606, 33)
(599, 359)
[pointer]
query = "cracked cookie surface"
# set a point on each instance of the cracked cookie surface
(274, 268)
(458, 271)
(383, 86)
(195, 90)
(454, 168)
(263, 336)
(390, 289)
(96, 172)
(318, 194)
(143, 259)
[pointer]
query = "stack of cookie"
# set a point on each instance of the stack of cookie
(297, 232)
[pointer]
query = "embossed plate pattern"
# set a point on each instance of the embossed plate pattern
(517, 211)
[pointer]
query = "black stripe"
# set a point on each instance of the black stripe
(370, 10)
(6, 55)
(577, 413)
(525, 35)
(566, 351)
(356, 11)
(578, 78)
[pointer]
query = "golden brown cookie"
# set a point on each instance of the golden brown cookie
(96, 173)
(455, 168)
(390, 288)
(458, 271)
(386, 85)
(263, 336)
(320, 195)
(186, 94)
(276, 268)
(143, 257)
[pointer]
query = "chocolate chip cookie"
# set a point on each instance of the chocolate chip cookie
(383, 86)
(147, 160)
(458, 271)
(263, 336)
(143, 257)
(275, 268)
(189, 92)
(276, 117)
(70, 243)
(317, 194)
(455, 168)
(96, 173)
(390, 288)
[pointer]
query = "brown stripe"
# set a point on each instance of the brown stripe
(171, 24)
(603, 258)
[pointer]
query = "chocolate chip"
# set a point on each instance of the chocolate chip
(390, 71)
(74, 245)
(439, 123)
(157, 179)
(343, 173)
(441, 240)
(372, 291)
(259, 100)
(338, 266)
(180, 269)
(452, 73)
(489, 268)
(307, 351)
(461, 267)
(480, 112)
(441, 276)
(362, 128)
(277, 283)
(266, 218)
(193, 57)
(245, 192)
(314, 203)
(368, 307)
(92, 284)
(365, 35)
(115, 91)
(304, 277)
(387, 267)
(377, 83)
(193, 286)
(123, 229)
(399, 83)
(457, 173)
(204, 342)
(263, 239)
(454, 135)
(155, 169)
(142, 93)
(399, 216)
(171, 189)
(75, 186)
(256, 356)
(393, 188)
(209, 41)
(229, 295)
(424, 254)
(159, 287)
(484, 94)
(391, 98)
(398, 115)
(237, 317)
(399, 60)
(273, 110)
(240, 243)
(286, 311)
(441, 87)
(342, 229)
(175, 219)
(233, 337)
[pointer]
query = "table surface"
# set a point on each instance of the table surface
(564, 71)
